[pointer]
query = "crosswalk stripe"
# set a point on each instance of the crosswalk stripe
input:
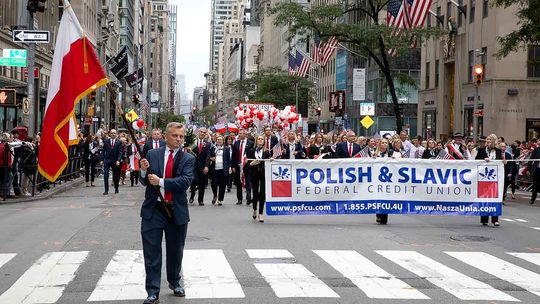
(208, 274)
(269, 253)
(509, 272)
(370, 278)
(45, 281)
(454, 282)
(123, 278)
(6, 257)
(529, 257)
(536, 228)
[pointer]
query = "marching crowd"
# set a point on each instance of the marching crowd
(223, 160)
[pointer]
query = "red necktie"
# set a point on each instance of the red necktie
(168, 174)
(350, 150)
(241, 150)
(200, 145)
(112, 144)
(156, 145)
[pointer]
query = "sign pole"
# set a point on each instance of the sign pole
(30, 120)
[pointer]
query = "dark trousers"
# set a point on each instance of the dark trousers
(219, 182)
(116, 175)
(89, 170)
(134, 177)
(230, 180)
(509, 181)
(175, 238)
(485, 219)
(536, 184)
(382, 218)
(199, 183)
(259, 194)
(238, 183)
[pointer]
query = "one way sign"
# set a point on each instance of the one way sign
(30, 36)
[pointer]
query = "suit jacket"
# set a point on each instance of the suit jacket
(112, 154)
(178, 184)
(202, 157)
(257, 169)
(482, 154)
(342, 150)
(273, 142)
(533, 165)
(226, 160)
(149, 145)
(301, 153)
(430, 153)
(237, 158)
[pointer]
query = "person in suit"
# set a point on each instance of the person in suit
(113, 150)
(220, 160)
(229, 143)
(171, 171)
(510, 170)
(154, 143)
(489, 152)
(202, 152)
(318, 148)
(292, 149)
(256, 154)
(240, 147)
(349, 148)
(382, 151)
(270, 140)
(91, 159)
(533, 168)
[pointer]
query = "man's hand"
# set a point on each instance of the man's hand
(145, 164)
(117, 163)
(153, 179)
(233, 170)
(205, 170)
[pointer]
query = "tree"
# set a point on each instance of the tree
(273, 85)
(367, 36)
(164, 118)
(528, 31)
(208, 113)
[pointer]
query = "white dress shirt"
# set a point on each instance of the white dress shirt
(161, 180)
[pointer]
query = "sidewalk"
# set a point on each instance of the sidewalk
(59, 188)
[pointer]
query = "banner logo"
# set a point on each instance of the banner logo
(281, 181)
(488, 181)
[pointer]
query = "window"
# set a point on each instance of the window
(484, 61)
(471, 64)
(472, 11)
(533, 61)
(439, 17)
(449, 9)
(460, 14)
(485, 8)
(436, 73)
(428, 71)
(429, 20)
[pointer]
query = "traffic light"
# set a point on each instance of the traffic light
(478, 73)
(318, 111)
(34, 6)
(135, 99)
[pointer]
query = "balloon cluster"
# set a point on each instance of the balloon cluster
(137, 124)
(247, 117)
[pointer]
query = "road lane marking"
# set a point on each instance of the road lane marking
(527, 256)
(6, 257)
(208, 274)
(269, 254)
(374, 281)
(506, 271)
(45, 280)
(454, 282)
(507, 220)
(123, 278)
(521, 220)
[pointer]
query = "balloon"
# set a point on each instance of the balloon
(140, 123)
(260, 115)
(134, 125)
(236, 110)
(239, 114)
(293, 109)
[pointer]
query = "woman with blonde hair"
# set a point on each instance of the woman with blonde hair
(489, 153)
(382, 151)
(397, 149)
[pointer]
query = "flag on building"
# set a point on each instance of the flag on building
(220, 128)
(292, 65)
(328, 50)
(135, 78)
(120, 67)
(75, 73)
(232, 127)
(398, 17)
(316, 50)
(418, 12)
(303, 64)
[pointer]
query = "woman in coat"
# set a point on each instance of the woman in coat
(292, 148)
(382, 151)
(220, 169)
(91, 159)
(490, 152)
(431, 151)
(255, 155)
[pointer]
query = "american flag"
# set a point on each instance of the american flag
(276, 150)
(406, 154)
(398, 16)
(303, 64)
(316, 55)
(328, 50)
(363, 153)
(292, 65)
(444, 155)
(418, 12)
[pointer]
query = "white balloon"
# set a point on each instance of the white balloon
(134, 125)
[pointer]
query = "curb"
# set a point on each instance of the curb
(46, 195)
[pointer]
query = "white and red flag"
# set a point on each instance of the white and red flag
(232, 127)
(75, 72)
(220, 128)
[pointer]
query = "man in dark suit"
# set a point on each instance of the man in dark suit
(172, 172)
(202, 151)
(240, 147)
(349, 148)
(533, 168)
(270, 140)
(113, 151)
(154, 143)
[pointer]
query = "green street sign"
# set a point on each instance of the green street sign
(14, 53)
(16, 62)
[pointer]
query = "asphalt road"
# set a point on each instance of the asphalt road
(81, 246)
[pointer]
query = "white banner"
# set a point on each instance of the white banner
(350, 186)
(359, 85)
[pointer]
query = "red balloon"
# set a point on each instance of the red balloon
(260, 115)
(293, 109)
(140, 123)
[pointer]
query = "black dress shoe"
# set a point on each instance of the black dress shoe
(105, 193)
(191, 201)
(239, 203)
(178, 291)
(153, 299)
(531, 202)
(248, 202)
(116, 191)
(214, 200)
(201, 204)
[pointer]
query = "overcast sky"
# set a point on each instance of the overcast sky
(193, 46)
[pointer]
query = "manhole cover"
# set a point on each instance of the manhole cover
(195, 238)
(470, 238)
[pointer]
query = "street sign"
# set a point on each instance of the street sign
(478, 112)
(7, 98)
(367, 108)
(15, 62)
(26, 106)
(367, 122)
(14, 53)
(31, 36)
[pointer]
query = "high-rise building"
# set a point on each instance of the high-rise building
(221, 11)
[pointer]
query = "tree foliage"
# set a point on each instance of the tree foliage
(164, 118)
(528, 31)
(272, 85)
(358, 25)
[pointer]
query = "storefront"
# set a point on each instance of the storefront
(532, 128)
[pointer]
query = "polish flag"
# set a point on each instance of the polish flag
(220, 128)
(75, 73)
(232, 127)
